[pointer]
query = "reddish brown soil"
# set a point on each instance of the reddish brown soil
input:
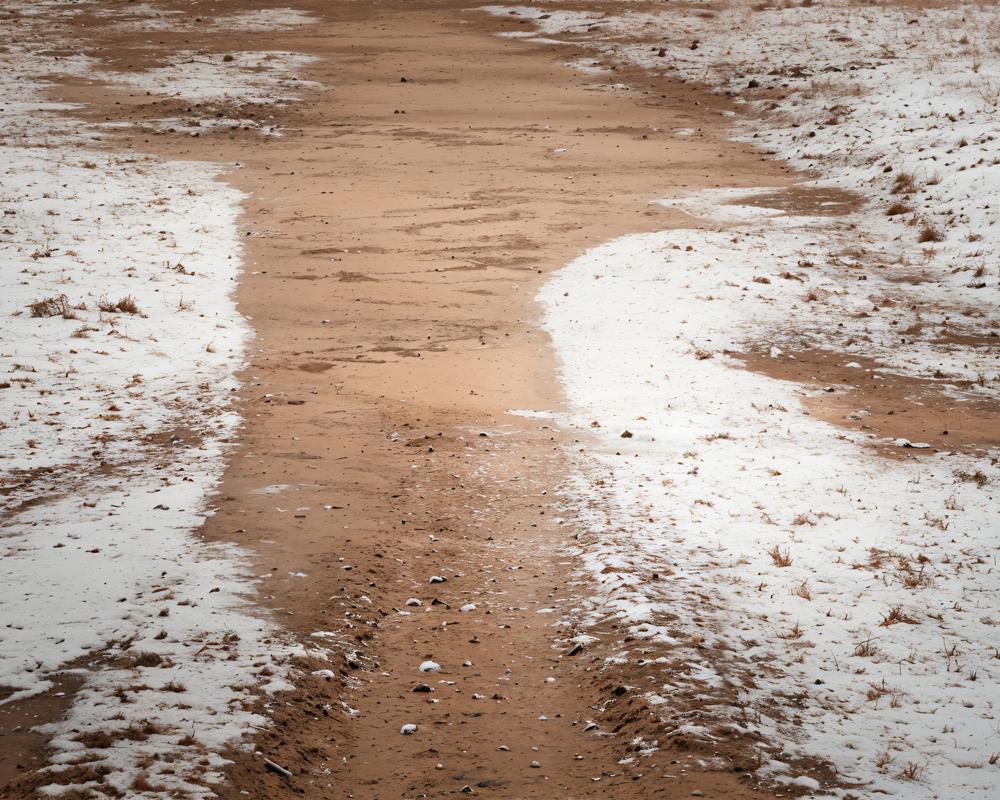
(939, 412)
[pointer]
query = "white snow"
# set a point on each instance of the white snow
(150, 17)
(725, 466)
(115, 422)
(249, 77)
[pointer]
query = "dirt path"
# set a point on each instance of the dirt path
(395, 237)
(422, 237)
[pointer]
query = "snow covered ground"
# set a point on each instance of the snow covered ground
(810, 593)
(119, 343)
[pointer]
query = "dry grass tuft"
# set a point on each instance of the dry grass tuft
(144, 659)
(781, 558)
(914, 579)
(929, 233)
(978, 477)
(97, 740)
(866, 648)
(52, 307)
(896, 615)
(802, 590)
(912, 771)
(125, 305)
(905, 183)
(142, 784)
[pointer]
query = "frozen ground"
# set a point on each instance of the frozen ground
(119, 341)
(151, 17)
(804, 592)
(780, 547)
(254, 77)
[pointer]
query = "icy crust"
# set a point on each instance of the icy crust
(119, 340)
(725, 477)
(150, 17)
(249, 77)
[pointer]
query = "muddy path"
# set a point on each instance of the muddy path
(420, 205)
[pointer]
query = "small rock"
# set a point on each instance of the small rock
(408, 729)
(430, 666)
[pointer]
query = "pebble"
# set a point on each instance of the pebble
(430, 666)
(408, 728)
(535, 765)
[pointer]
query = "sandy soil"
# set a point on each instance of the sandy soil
(396, 235)
(422, 238)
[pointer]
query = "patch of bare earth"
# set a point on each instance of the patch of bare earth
(860, 394)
